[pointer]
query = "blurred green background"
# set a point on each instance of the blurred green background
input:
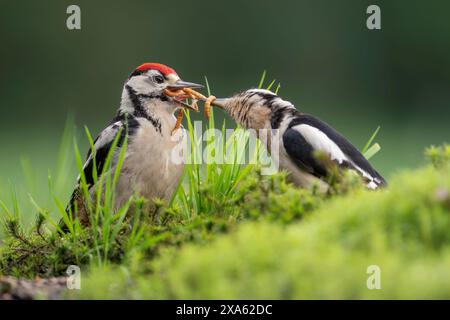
(328, 62)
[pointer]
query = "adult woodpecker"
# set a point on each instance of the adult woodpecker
(146, 118)
(300, 137)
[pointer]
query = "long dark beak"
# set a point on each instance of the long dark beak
(219, 102)
(183, 84)
(180, 84)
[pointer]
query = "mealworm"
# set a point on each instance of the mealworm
(178, 123)
(194, 93)
(176, 93)
(208, 102)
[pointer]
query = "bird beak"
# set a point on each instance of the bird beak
(183, 84)
(219, 102)
(178, 85)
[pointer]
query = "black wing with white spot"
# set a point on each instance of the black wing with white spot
(306, 134)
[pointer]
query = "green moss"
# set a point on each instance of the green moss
(40, 256)
(44, 254)
(272, 240)
(403, 230)
(439, 156)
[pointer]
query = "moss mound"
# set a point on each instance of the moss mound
(403, 230)
(273, 241)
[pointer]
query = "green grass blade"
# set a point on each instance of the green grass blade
(369, 143)
(261, 81)
(269, 87)
(278, 88)
(373, 150)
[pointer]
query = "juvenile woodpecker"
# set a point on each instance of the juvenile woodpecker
(299, 136)
(146, 116)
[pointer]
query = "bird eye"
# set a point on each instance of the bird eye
(158, 79)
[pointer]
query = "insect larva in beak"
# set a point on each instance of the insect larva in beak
(173, 93)
(179, 120)
(208, 102)
(194, 93)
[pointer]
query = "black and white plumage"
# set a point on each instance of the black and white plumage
(300, 136)
(153, 162)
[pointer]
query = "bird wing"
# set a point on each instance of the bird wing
(124, 124)
(102, 147)
(307, 134)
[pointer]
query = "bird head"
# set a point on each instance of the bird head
(253, 108)
(145, 89)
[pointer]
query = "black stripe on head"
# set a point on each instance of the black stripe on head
(137, 104)
(136, 73)
(140, 72)
(277, 117)
(139, 109)
(278, 109)
(279, 114)
(247, 97)
(267, 97)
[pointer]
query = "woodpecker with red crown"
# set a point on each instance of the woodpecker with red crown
(146, 118)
